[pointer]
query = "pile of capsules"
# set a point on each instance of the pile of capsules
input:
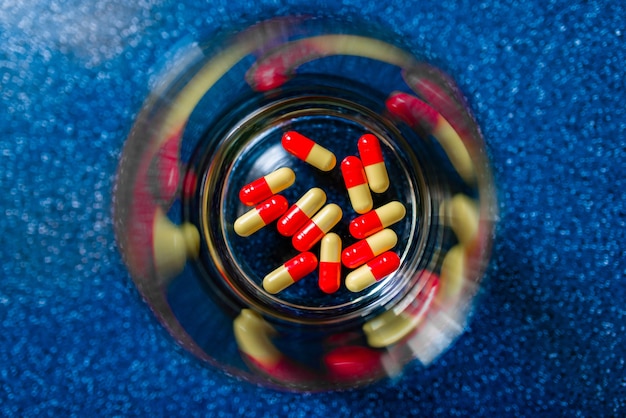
(311, 220)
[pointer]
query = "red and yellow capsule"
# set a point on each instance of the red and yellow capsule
(317, 227)
(266, 186)
(374, 163)
(419, 114)
(377, 220)
(356, 182)
(254, 339)
(330, 263)
(353, 363)
(290, 272)
(308, 151)
(261, 215)
(363, 251)
(372, 272)
(301, 212)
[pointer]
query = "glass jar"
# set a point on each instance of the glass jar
(216, 120)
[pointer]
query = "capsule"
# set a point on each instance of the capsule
(374, 163)
(377, 220)
(172, 246)
(372, 272)
(353, 363)
(390, 327)
(308, 151)
(363, 251)
(356, 183)
(317, 227)
(261, 215)
(301, 212)
(290, 272)
(464, 218)
(330, 263)
(417, 113)
(267, 186)
(253, 336)
(453, 275)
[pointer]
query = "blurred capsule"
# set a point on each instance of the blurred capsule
(164, 171)
(463, 213)
(391, 327)
(277, 67)
(437, 90)
(353, 363)
(417, 113)
(452, 275)
(253, 334)
(173, 245)
(253, 337)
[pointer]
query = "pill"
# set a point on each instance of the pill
(261, 215)
(278, 66)
(437, 90)
(330, 263)
(353, 363)
(377, 220)
(290, 272)
(268, 185)
(172, 246)
(419, 114)
(453, 275)
(164, 171)
(253, 336)
(308, 151)
(464, 218)
(391, 326)
(373, 162)
(372, 272)
(317, 227)
(301, 212)
(363, 251)
(356, 183)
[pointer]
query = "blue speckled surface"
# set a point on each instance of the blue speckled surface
(546, 80)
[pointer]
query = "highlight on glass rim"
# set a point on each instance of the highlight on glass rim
(306, 205)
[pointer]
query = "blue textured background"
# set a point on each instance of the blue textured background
(546, 80)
